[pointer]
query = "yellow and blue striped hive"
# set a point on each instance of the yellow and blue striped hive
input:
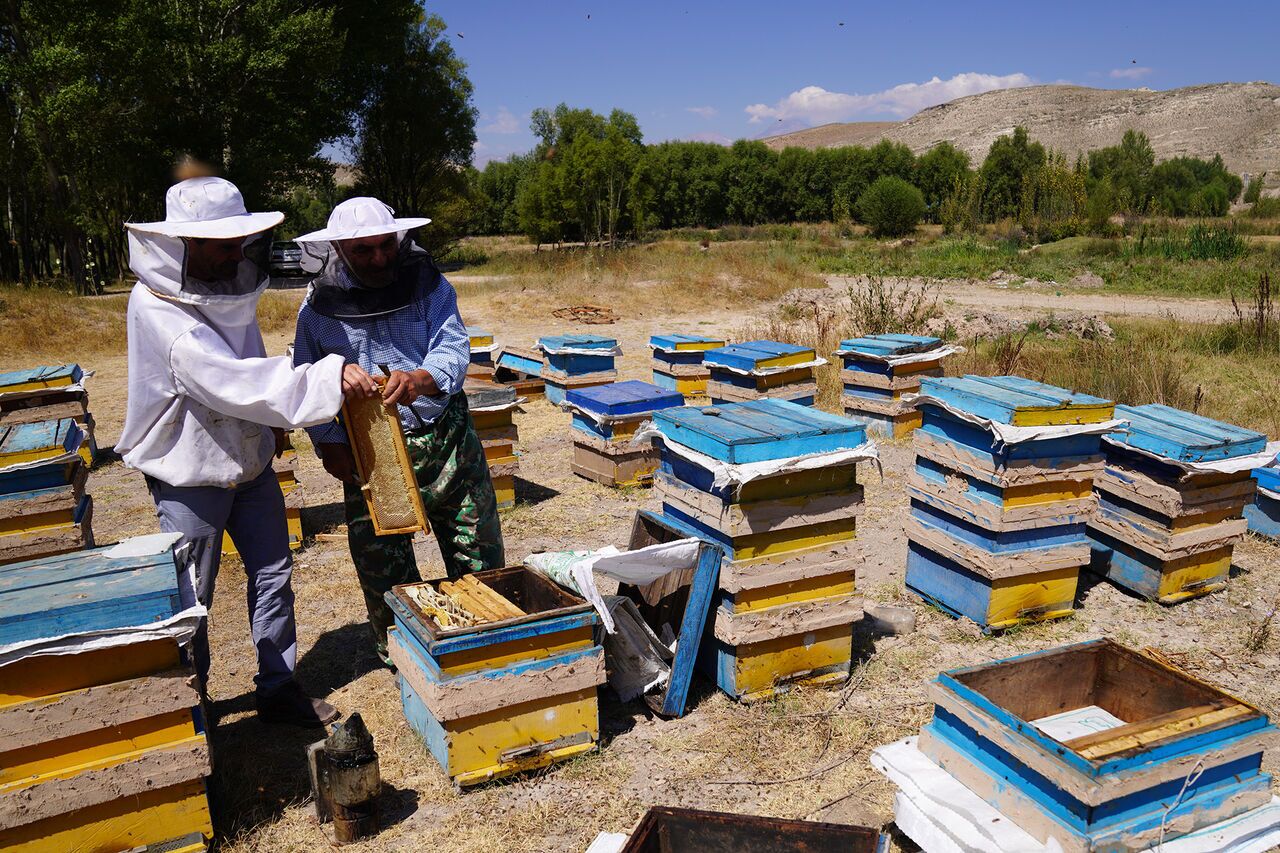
(481, 346)
(102, 749)
(576, 361)
(1263, 515)
(493, 408)
(605, 420)
(1097, 747)
(48, 393)
(997, 530)
(43, 506)
(677, 362)
(504, 696)
(879, 370)
(1164, 530)
(787, 600)
(757, 370)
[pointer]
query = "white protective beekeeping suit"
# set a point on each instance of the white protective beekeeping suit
(202, 393)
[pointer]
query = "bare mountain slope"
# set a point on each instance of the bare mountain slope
(1241, 121)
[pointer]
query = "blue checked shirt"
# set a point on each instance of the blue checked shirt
(428, 334)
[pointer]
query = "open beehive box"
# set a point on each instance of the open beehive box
(668, 830)
(1099, 746)
(498, 671)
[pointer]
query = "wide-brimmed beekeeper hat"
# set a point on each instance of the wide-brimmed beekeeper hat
(361, 217)
(212, 208)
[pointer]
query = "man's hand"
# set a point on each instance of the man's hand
(282, 441)
(403, 387)
(356, 384)
(339, 461)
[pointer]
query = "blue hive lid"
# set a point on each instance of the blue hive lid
(890, 345)
(555, 342)
(759, 430)
(1017, 401)
(70, 373)
(1184, 437)
(624, 398)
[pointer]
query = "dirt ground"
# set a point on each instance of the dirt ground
(803, 755)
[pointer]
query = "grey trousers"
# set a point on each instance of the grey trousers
(253, 514)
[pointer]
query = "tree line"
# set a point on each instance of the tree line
(591, 178)
(102, 97)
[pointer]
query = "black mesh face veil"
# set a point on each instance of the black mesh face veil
(338, 292)
(238, 266)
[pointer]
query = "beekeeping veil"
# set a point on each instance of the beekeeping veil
(209, 252)
(340, 290)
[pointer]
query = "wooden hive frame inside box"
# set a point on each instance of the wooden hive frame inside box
(387, 479)
(1160, 750)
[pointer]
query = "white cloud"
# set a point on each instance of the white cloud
(816, 105)
(504, 122)
(1133, 72)
(704, 112)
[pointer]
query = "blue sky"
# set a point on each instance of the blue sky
(723, 71)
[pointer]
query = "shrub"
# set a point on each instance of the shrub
(1266, 207)
(891, 207)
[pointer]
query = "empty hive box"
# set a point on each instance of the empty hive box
(493, 407)
(101, 748)
(605, 420)
(498, 671)
(879, 370)
(1263, 515)
(48, 394)
(44, 509)
(482, 346)
(1171, 502)
(387, 480)
(668, 830)
(997, 530)
(285, 467)
(575, 362)
(786, 601)
(521, 368)
(756, 370)
(1089, 747)
(677, 363)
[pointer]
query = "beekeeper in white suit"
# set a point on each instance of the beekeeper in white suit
(207, 408)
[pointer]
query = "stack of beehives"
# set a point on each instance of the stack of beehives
(576, 362)
(286, 468)
(879, 370)
(677, 363)
(1172, 502)
(44, 509)
(605, 420)
(103, 745)
(49, 394)
(757, 370)
(498, 672)
(1089, 747)
(1001, 494)
(1263, 514)
(774, 486)
(493, 408)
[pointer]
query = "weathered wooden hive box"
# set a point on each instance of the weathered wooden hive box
(576, 361)
(493, 407)
(678, 362)
(1167, 521)
(786, 602)
(48, 394)
(1098, 747)
(605, 420)
(286, 469)
(521, 368)
(44, 509)
(997, 530)
(512, 692)
(756, 370)
(670, 830)
(1263, 515)
(879, 370)
(100, 749)
(482, 346)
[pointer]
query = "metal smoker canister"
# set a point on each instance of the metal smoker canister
(352, 780)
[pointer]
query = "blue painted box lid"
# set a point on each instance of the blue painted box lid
(1182, 436)
(752, 355)
(887, 345)
(1268, 478)
(624, 398)
(85, 591)
(555, 342)
(1017, 401)
(22, 442)
(759, 430)
(693, 342)
(69, 373)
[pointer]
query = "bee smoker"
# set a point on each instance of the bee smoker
(345, 780)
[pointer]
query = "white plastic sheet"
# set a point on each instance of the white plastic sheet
(1010, 434)
(635, 659)
(608, 842)
(614, 351)
(1261, 459)
(39, 463)
(1275, 496)
(767, 371)
(488, 348)
(906, 358)
(501, 407)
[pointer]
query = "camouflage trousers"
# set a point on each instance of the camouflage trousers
(453, 479)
